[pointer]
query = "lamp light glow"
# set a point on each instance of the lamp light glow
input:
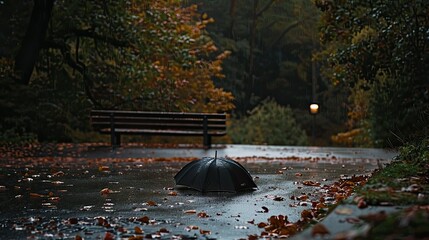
(314, 108)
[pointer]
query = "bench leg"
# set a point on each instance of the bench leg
(118, 140)
(207, 141)
(115, 139)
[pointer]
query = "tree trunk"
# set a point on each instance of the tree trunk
(33, 40)
(232, 14)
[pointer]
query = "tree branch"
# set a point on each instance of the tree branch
(265, 8)
(290, 27)
(77, 65)
(89, 33)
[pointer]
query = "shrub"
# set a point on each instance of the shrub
(268, 123)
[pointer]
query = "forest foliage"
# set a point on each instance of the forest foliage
(365, 62)
(379, 51)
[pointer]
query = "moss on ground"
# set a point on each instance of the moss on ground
(403, 182)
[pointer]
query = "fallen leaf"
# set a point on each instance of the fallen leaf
(343, 211)
(144, 219)
(105, 191)
(36, 195)
(109, 236)
(57, 182)
(202, 215)
(306, 214)
(413, 188)
(311, 183)
(191, 211)
(73, 220)
(58, 174)
(262, 225)
(352, 220)
(205, 232)
(319, 229)
(265, 209)
(151, 203)
(374, 217)
(252, 237)
(302, 197)
(191, 227)
(362, 204)
(138, 230)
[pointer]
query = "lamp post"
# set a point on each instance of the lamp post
(314, 110)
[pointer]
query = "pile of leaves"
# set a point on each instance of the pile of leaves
(278, 226)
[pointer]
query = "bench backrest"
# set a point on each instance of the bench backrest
(103, 119)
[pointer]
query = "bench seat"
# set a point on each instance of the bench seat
(117, 123)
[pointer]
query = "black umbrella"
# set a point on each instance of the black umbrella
(215, 175)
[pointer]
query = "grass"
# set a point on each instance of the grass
(404, 182)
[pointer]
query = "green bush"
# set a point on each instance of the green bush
(399, 111)
(268, 123)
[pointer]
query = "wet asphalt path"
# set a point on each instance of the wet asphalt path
(139, 182)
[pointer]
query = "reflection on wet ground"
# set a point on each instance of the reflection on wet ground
(132, 195)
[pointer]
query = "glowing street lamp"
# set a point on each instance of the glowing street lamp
(314, 108)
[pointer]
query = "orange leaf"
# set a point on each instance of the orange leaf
(144, 219)
(262, 225)
(192, 211)
(205, 232)
(105, 191)
(306, 214)
(138, 230)
(152, 203)
(109, 236)
(311, 183)
(319, 229)
(202, 215)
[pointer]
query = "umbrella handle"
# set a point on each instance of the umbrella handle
(215, 154)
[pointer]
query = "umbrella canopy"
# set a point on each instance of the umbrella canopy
(215, 175)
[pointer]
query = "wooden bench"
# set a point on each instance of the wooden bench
(117, 123)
